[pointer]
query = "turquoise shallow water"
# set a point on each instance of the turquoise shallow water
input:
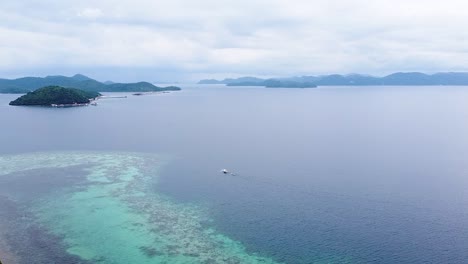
(113, 216)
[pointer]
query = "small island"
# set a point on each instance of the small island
(57, 96)
(288, 84)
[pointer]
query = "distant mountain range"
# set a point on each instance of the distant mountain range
(78, 81)
(400, 78)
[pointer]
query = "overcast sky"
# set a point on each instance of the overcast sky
(185, 40)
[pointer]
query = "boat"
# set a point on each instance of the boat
(224, 171)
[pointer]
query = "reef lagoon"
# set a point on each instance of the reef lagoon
(97, 207)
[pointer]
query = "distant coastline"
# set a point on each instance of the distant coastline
(78, 81)
(395, 79)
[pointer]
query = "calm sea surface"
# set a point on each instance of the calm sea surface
(326, 175)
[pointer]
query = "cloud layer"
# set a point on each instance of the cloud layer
(186, 40)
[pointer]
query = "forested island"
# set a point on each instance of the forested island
(56, 96)
(78, 81)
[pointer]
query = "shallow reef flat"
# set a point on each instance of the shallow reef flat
(110, 213)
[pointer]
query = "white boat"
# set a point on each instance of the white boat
(224, 171)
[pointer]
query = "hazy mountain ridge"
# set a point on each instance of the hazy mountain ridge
(78, 81)
(399, 78)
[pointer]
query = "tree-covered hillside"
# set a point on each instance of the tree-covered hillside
(51, 95)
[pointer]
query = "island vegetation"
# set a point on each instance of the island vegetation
(56, 96)
(288, 84)
(78, 81)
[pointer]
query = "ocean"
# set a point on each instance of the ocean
(323, 175)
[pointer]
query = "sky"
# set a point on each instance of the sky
(188, 40)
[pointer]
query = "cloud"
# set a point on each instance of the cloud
(191, 39)
(91, 13)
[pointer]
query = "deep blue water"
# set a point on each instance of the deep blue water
(367, 174)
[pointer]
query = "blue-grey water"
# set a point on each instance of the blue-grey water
(333, 174)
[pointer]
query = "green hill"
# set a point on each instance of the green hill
(51, 95)
(137, 87)
(78, 81)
